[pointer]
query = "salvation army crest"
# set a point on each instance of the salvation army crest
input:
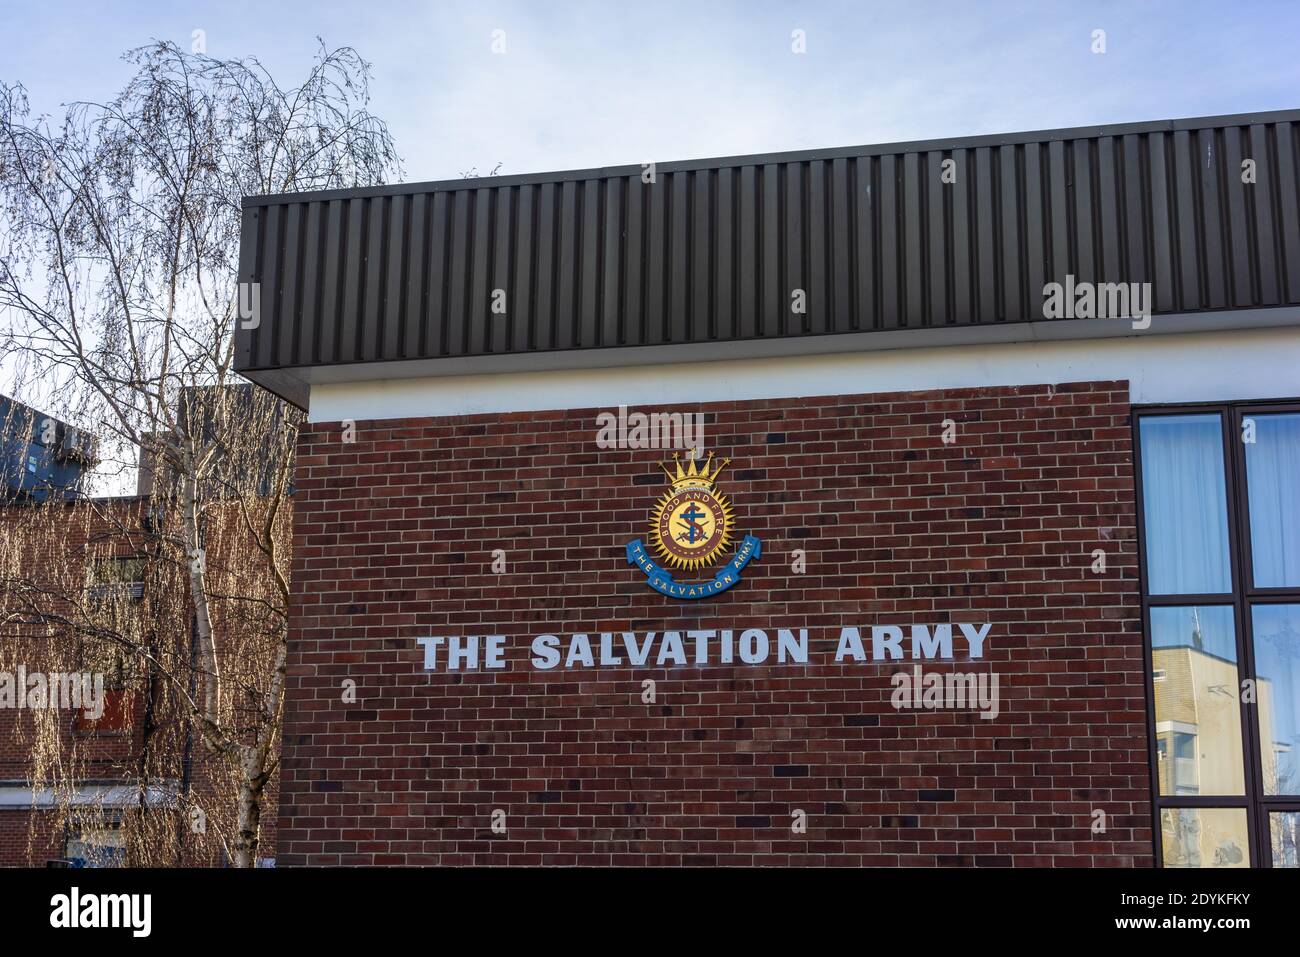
(691, 527)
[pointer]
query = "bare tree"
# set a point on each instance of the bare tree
(118, 287)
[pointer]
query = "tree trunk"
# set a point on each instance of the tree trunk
(252, 782)
(199, 594)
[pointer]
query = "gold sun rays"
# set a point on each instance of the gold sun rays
(700, 479)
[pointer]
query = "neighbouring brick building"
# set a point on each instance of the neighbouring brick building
(1043, 384)
(69, 566)
(63, 549)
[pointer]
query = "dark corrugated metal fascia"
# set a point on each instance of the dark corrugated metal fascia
(869, 242)
(788, 156)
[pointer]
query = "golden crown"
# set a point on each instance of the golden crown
(695, 473)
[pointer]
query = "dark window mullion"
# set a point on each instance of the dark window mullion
(1205, 800)
(1275, 596)
(1148, 664)
(1169, 601)
(1233, 463)
(1243, 505)
(1281, 594)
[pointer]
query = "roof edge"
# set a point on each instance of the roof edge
(758, 159)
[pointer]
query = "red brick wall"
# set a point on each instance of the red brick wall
(71, 531)
(394, 540)
(29, 838)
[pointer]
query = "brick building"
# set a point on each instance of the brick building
(1019, 411)
(123, 780)
(53, 543)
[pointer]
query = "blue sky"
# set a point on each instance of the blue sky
(605, 84)
(598, 84)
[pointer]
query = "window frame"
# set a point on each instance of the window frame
(1243, 596)
(77, 831)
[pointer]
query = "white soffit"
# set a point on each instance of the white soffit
(1261, 363)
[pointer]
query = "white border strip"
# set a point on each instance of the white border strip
(22, 797)
(1208, 366)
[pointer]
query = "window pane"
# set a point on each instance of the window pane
(1198, 710)
(1184, 505)
(1273, 500)
(1277, 648)
(1284, 831)
(97, 847)
(1204, 837)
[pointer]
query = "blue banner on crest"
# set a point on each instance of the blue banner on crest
(662, 581)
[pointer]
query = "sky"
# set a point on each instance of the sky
(533, 87)
(577, 85)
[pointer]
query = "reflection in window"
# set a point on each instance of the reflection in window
(102, 845)
(1273, 500)
(1184, 505)
(1284, 833)
(1198, 711)
(1277, 648)
(1204, 837)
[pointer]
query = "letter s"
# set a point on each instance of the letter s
(546, 652)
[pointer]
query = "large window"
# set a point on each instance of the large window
(1219, 515)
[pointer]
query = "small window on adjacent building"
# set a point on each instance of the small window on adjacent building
(116, 578)
(102, 845)
(113, 587)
